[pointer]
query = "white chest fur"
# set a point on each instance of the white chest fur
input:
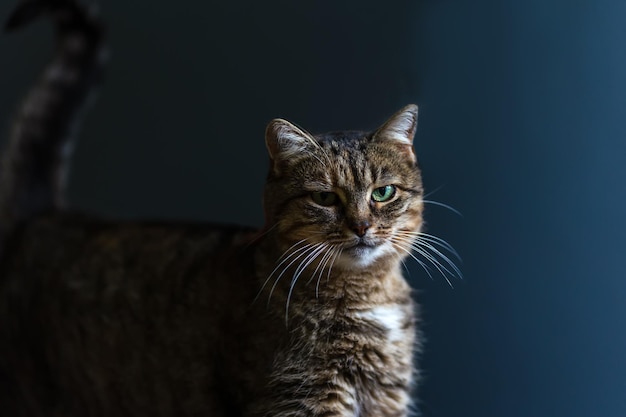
(390, 317)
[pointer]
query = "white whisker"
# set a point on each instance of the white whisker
(423, 244)
(439, 241)
(308, 248)
(432, 239)
(261, 235)
(419, 261)
(283, 258)
(406, 268)
(327, 253)
(433, 191)
(441, 255)
(318, 159)
(437, 203)
(435, 262)
(337, 255)
(330, 254)
(312, 256)
(319, 247)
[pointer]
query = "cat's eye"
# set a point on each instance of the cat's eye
(382, 194)
(324, 198)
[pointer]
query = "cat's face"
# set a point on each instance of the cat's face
(346, 198)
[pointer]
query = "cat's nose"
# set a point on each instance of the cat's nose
(360, 227)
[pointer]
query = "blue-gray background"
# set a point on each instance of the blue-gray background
(522, 129)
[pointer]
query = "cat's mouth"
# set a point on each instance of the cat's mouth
(362, 252)
(361, 246)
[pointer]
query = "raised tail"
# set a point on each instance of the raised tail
(34, 162)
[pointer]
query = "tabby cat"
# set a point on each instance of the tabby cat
(309, 316)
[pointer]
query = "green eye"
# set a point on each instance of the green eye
(324, 198)
(383, 194)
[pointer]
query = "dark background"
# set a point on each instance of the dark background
(522, 129)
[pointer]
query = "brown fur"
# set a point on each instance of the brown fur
(309, 316)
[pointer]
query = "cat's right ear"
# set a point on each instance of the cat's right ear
(286, 141)
(399, 130)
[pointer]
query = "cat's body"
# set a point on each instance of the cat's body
(309, 316)
(158, 319)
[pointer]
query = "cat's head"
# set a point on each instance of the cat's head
(352, 198)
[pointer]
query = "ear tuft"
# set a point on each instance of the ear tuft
(400, 127)
(284, 140)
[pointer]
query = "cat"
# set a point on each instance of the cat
(309, 316)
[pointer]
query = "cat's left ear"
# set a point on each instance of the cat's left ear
(399, 129)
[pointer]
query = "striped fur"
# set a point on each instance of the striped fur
(309, 316)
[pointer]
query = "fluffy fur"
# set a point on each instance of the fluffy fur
(309, 316)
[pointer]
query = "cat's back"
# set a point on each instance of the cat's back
(71, 250)
(131, 310)
(63, 236)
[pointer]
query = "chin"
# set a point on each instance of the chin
(363, 256)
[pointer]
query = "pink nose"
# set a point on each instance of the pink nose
(360, 228)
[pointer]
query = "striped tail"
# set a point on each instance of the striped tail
(34, 162)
